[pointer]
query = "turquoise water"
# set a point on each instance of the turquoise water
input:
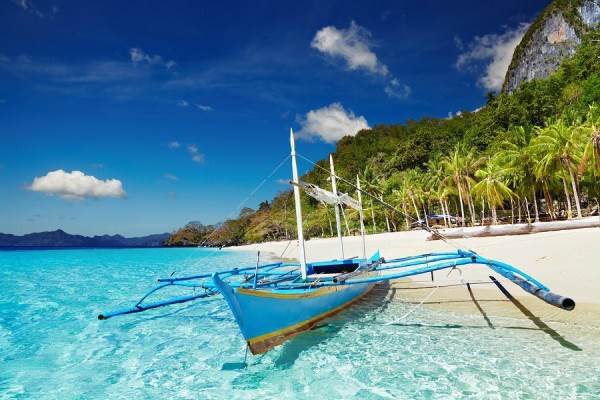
(53, 347)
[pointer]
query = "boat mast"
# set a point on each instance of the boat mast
(337, 207)
(362, 218)
(301, 252)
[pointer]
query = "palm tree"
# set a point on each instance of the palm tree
(399, 197)
(321, 215)
(369, 179)
(471, 162)
(558, 148)
(516, 159)
(384, 188)
(400, 184)
(459, 167)
(435, 184)
(590, 131)
(414, 189)
(492, 188)
(452, 165)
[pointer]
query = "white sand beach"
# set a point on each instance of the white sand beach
(566, 261)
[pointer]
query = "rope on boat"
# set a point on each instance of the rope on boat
(415, 308)
(242, 203)
(286, 247)
(252, 193)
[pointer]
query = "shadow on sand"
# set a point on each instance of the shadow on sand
(538, 322)
(485, 317)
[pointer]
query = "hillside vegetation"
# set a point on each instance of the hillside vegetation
(533, 152)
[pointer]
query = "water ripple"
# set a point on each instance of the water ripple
(53, 347)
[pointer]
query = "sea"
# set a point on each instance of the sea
(52, 346)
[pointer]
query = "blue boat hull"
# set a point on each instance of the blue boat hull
(267, 318)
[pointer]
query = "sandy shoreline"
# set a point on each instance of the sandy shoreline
(566, 261)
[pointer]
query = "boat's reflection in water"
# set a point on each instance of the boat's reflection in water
(365, 309)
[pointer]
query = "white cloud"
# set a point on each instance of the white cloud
(197, 157)
(396, 89)
(76, 185)
(203, 107)
(460, 113)
(24, 4)
(353, 45)
(138, 56)
(28, 6)
(459, 43)
(97, 78)
(453, 115)
(331, 123)
(88, 73)
(171, 177)
(174, 144)
(496, 50)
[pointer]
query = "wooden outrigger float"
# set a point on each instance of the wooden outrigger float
(274, 302)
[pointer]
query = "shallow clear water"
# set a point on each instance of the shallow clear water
(52, 346)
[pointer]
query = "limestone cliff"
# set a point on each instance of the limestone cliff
(552, 37)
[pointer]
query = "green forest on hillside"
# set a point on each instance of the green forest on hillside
(534, 152)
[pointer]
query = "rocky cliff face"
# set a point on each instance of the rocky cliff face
(552, 37)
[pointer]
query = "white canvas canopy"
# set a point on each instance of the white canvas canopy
(327, 197)
(350, 201)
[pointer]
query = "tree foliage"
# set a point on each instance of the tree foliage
(534, 151)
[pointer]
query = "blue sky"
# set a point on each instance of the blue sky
(174, 111)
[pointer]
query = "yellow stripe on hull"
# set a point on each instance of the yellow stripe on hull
(263, 343)
(323, 291)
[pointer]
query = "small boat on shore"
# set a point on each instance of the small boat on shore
(272, 303)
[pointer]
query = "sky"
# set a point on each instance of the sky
(136, 117)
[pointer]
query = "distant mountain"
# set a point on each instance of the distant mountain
(60, 238)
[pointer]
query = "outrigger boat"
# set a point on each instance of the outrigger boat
(274, 302)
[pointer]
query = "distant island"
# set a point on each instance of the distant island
(60, 238)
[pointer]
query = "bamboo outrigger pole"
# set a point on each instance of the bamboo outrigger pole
(337, 207)
(301, 251)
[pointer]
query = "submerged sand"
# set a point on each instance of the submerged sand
(566, 261)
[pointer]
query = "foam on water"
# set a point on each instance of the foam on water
(53, 347)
